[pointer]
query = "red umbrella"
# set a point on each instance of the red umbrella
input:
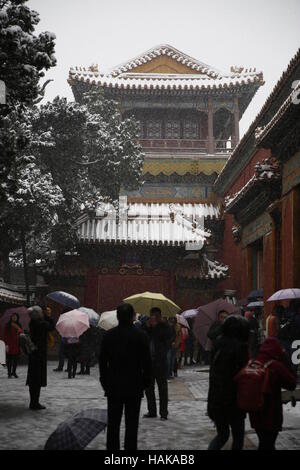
(207, 315)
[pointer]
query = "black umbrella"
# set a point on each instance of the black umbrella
(77, 432)
(256, 294)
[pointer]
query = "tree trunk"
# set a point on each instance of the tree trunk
(6, 268)
(25, 266)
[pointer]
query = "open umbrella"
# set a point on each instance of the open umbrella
(207, 315)
(258, 303)
(108, 320)
(93, 316)
(143, 303)
(182, 321)
(190, 313)
(64, 298)
(72, 324)
(285, 294)
(77, 432)
(255, 294)
(24, 317)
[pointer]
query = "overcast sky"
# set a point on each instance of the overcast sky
(253, 33)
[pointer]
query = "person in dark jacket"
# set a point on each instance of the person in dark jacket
(215, 331)
(125, 372)
(230, 356)
(11, 338)
(268, 422)
(160, 337)
(39, 327)
(86, 350)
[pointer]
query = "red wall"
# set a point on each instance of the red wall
(232, 254)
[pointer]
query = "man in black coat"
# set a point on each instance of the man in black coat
(125, 372)
(160, 336)
(40, 325)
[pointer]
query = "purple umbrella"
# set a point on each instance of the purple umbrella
(64, 298)
(285, 294)
(207, 315)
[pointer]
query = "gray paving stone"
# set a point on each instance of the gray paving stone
(188, 426)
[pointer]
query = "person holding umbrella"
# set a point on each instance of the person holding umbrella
(160, 337)
(39, 327)
(125, 372)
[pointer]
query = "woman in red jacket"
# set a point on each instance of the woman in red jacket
(11, 339)
(268, 422)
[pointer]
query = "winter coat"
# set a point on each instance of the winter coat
(272, 326)
(11, 339)
(177, 339)
(230, 356)
(37, 361)
(183, 339)
(215, 332)
(271, 417)
(87, 344)
(160, 338)
(125, 362)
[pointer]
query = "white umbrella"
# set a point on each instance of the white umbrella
(108, 320)
(190, 313)
(285, 294)
(182, 321)
(258, 303)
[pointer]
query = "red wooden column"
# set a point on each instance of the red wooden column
(236, 118)
(210, 127)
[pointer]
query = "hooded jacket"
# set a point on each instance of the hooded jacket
(271, 417)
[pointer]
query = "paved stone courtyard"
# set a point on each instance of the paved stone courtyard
(188, 427)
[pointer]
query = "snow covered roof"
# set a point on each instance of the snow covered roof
(201, 268)
(168, 51)
(266, 171)
(163, 81)
(142, 223)
(10, 296)
(262, 132)
(204, 77)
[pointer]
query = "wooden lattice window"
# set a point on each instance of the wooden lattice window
(190, 129)
(172, 129)
(154, 129)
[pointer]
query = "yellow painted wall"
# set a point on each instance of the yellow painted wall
(163, 64)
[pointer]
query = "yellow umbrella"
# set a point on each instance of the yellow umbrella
(143, 303)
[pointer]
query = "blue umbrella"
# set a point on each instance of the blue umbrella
(64, 298)
(77, 432)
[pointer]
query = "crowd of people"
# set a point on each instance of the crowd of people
(137, 354)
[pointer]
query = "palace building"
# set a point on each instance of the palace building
(260, 185)
(167, 235)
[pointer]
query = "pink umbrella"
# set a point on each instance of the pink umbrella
(23, 317)
(72, 324)
(285, 294)
(207, 315)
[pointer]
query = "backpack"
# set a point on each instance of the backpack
(252, 384)
(26, 344)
